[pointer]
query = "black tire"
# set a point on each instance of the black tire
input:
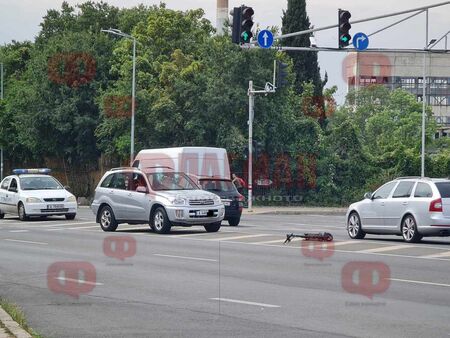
(354, 228)
(2, 216)
(213, 227)
(70, 216)
(234, 222)
(409, 230)
(160, 222)
(107, 219)
(21, 212)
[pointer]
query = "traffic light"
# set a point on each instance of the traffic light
(282, 74)
(236, 12)
(344, 28)
(246, 24)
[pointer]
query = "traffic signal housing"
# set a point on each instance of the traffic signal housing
(242, 24)
(344, 28)
(246, 24)
(282, 73)
(236, 13)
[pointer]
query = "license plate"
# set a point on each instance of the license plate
(227, 204)
(201, 213)
(55, 206)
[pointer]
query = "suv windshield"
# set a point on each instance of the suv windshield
(171, 181)
(40, 183)
(218, 186)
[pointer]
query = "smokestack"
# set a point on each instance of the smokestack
(222, 15)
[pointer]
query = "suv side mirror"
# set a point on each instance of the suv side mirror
(368, 195)
(142, 189)
(67, 187)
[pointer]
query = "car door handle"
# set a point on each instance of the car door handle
(382, 204)
(405, 203)
(111, 191)
(129, 194)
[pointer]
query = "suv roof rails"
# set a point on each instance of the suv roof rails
(412, 177)
(157, 167)
(122, 168)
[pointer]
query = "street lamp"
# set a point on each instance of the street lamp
(133, 94)
(1, 98)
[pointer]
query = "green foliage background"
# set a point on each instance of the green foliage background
(192, 90)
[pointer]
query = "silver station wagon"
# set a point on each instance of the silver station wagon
(158, 196)
(412, 207)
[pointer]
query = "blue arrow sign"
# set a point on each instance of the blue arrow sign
(360, 41)
(265, 39)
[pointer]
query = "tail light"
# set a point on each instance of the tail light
(436, 205)
(241, 200)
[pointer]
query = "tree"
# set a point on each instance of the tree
(306, 67)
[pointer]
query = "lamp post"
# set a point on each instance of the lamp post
(133, 94)
(1, 98)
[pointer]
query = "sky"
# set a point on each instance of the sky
(19, 20)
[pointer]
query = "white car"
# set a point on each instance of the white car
(32, 192)
(412, 207)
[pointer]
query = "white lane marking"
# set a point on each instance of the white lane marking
(18, 231)
(60, 225)
(186, 257)
(244, 302)
(27, 242)
(79, 281)
(62, 229)
(316, 225)
(442, 254)
(347, 242)
(237, 237)
(200, 234)
(418, 282)
(385, 248)
(278, 241)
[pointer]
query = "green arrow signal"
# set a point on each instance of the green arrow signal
(245, 36)
(345, 39)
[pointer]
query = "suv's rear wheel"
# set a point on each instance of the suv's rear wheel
(213, 227)
(22, 214)
(2, 216)
(107, 220)
(409, 230)
(160, 222)
(354, 228)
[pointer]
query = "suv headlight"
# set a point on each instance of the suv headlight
(217, 200)
(179, 201)
(33, 200)
(71, 199)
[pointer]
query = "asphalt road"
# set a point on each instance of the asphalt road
(240, 282)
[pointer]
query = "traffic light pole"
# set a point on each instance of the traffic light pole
(269, 88)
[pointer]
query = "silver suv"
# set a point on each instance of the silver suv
(413, 207)
(158, 196)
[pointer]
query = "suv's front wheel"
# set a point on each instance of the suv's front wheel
(160, 222)
(107, 220)
(213, 227)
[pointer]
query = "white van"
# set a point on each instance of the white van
(197, 161)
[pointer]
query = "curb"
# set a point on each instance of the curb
(12, 326)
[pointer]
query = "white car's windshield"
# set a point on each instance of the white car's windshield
(171, 181)
(40, 183)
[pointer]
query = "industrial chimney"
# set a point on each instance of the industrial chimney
(222, 15)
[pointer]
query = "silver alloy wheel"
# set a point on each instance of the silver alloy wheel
(158, 220)
(353, 225)
(409, 228)
(21, 211)
(105, 220)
